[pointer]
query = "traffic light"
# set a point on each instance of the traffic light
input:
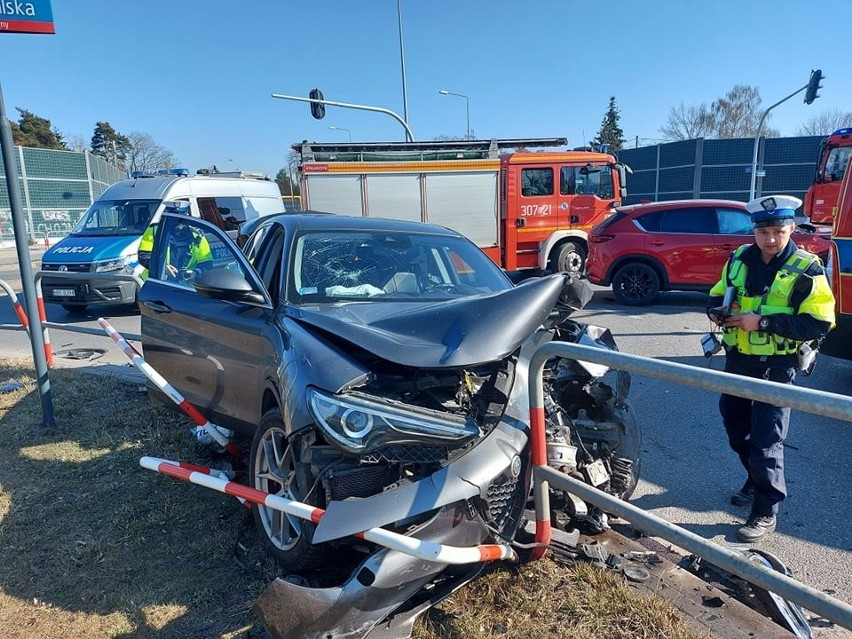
(813, 86)
(317, 108)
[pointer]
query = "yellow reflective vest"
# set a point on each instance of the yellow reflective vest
(819, 303)
(199, 250)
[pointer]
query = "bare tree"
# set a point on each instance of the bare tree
(825, 123)
(77, 143)
(686, 123)
(736, 115)
(146, 155)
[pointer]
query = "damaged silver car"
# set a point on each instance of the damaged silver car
(380, 367)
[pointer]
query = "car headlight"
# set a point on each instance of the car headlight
(108, 266)
(359, 423)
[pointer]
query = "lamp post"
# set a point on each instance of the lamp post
(340, 128)
(408, 136)
(466, 107)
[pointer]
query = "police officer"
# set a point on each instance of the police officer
(782, 299)
(186, 247)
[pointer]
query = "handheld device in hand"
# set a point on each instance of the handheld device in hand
(724, 311)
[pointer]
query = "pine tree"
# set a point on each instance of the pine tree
(610, 132)
(109, 144)
(35, 131)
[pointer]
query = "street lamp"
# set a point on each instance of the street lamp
(466, 107)
(340, 128)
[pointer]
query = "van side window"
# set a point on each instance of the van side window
(536, 182)
(225, 212)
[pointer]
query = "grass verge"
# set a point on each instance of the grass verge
(96, 547)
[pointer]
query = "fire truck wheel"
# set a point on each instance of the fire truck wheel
(568, 257)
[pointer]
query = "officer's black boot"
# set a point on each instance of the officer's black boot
(756, 528)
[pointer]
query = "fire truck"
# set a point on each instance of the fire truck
(526, 210)
(821, 198)
(839, 270)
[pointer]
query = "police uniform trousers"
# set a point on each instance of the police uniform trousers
(757, 430)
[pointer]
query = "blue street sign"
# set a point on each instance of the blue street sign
(26, 16)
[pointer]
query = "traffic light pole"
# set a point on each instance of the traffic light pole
(22, 246)
(757, 140)
(346, 105)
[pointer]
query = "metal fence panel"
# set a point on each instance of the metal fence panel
(719, 169)
(56, 187)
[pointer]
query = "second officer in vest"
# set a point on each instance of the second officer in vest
(781, 300)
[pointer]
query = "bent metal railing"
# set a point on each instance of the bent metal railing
(804, 399)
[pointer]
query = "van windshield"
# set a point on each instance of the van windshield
(117, 217)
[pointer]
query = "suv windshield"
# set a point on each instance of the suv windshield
(117, 217)
(347, 265)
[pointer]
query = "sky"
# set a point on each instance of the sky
(198, 76)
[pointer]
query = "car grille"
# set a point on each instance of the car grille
(69, 268)
(501, 497)
(359, 482)
(412, 454)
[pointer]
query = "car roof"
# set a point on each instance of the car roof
(317, 220)
(680, 204)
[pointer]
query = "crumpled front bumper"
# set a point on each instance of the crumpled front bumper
(381, 596)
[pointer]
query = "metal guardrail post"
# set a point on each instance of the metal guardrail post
(808, 400)
(22, 247)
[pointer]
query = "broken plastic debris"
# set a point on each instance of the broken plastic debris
(10, 386)
(635, 572)
(648, 556)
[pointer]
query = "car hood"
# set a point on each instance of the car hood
(445, 334)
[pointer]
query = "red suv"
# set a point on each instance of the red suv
(679, 245)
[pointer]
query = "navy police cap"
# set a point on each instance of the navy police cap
(773, 210)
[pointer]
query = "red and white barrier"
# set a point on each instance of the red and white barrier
(219, 434)
(42, 317)
(19, 310)
(426, 550)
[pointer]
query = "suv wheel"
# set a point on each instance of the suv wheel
(276, 469)
(636, 284)
(568, 258)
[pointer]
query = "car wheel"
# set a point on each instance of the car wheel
(74, 309)
(636, 284)
(275, 469)
(570, 258)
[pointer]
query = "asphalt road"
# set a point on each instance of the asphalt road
(688, 472)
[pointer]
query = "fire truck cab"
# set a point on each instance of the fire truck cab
(839, 270)
(821, 199)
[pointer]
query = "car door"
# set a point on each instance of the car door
(209, 349)
(684, 244)
(734, 230)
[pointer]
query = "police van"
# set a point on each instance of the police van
(106, 239)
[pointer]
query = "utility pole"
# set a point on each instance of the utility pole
(812, 86)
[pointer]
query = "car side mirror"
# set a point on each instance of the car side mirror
(224, 284)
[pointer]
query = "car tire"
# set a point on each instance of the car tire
(636, 284)
(74, 309)
(568, 257)
(275, 469)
